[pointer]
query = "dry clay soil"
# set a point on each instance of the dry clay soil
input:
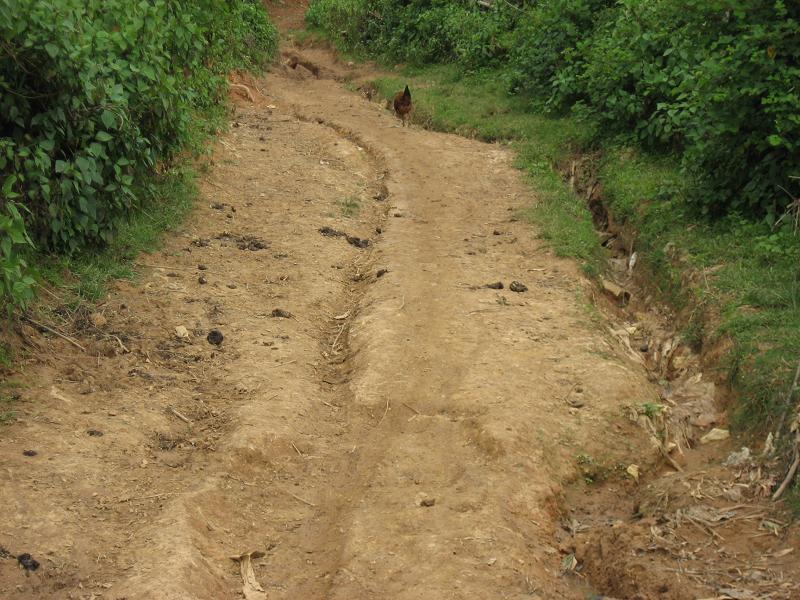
(396, 430)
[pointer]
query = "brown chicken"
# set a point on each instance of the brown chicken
(402, 105)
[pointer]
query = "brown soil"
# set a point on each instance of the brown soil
(413, 435)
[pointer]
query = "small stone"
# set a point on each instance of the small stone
(279, 313)
(94, 433)
(215, 337)
(427, 502)
(202, 280)
(737, 459)
(202, 267)
(381, 273)
(232, 286)
(182, 333)
(644, 347)
(518, 287)
(715, 435)
(29, 453)
(98, 320)
(496, 232)
(497, 285)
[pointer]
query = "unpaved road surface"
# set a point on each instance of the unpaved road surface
(377, 422)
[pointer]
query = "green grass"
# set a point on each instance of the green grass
(731, 279)
(728, 278)
(8, 398)
(84, 277)
(349, 207)
(5, 356)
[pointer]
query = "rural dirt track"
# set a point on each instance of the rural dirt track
(400, 431)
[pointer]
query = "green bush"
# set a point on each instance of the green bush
(715, 81)
(418, 31)
(542, 60)
(97, 95)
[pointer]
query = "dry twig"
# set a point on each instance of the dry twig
(789, 476)
(301, 499)
(180, 416)
(63, 336)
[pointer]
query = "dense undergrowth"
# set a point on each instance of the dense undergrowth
(101, 101)
(692, 110)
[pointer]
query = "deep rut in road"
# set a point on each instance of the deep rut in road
(378, 422)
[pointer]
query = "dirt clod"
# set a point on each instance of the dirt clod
(381, 273)
(94, 433)
(279, 313)
(331, 232)
(357, 241)
(27, 562)
(427, 502)
(215, 337)
(351, 239)
(98, 320)
(252, 243)
(497, 285)
(202, 267)
(29, 453)
(382, 194)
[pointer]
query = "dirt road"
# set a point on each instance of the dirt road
(377, 421)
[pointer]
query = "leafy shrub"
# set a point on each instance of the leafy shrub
(545, 45)
(96, 96)
(418, 31)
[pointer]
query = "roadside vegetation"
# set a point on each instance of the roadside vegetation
(690, 112)
(104, 105)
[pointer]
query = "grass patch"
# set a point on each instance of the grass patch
(5, 356)
(8, 398)
(349, 207)
(84, 277)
